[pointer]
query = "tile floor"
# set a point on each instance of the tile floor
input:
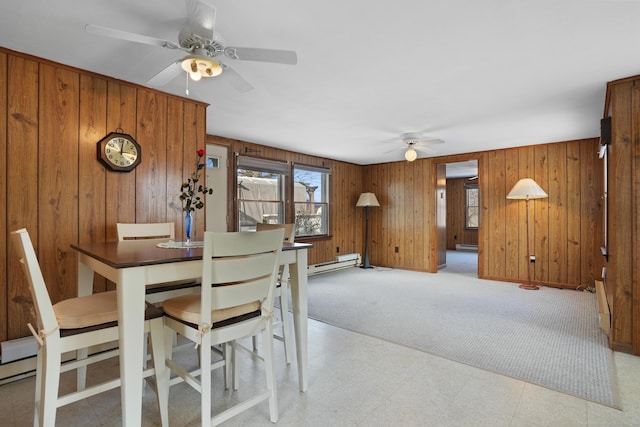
(356, 380)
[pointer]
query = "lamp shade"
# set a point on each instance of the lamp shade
(526, 189)
(367, 199)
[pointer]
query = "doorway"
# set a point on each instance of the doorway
(217, 174)
(458, 217)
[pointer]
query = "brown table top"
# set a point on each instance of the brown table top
(135, 253)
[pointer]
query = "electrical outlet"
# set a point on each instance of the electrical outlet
(397, 249)
(532, 259)
(337, 249)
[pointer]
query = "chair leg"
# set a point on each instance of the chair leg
(145, 362)
(234, 366)
(50, 383)
(227, 351)
(37, 408)
(205, 379)
(81, 372)
(286, 323)
(269, 367)
(160, 368)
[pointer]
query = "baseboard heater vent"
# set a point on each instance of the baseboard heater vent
(17, 349)
(463, 247)
(342, 261)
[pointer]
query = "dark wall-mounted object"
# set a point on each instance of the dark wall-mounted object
(605, 131)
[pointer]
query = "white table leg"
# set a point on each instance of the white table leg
(85, 287)
(130, 289)
(85, 277)
(298, 274)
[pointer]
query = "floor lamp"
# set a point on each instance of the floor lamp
(366, 200)
(527, 189)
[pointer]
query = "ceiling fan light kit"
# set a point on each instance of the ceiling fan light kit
(199, 66)
(410, 154)
(414, 142)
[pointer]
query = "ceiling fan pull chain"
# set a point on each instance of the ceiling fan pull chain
(187, 90)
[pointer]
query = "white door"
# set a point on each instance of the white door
(217, 176)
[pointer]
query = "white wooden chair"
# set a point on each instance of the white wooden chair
(282, 292)
(160, 231)
(70, 325)
(239, 272)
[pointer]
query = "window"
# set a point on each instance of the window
(311, 200)
(260, 191)
(262, 195)
(472, 205)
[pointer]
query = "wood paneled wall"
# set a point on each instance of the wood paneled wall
(623, 266)
(406, 218)
(51, 118)
(566, 227)
(566, 230)
(457, 231)
(347, 233)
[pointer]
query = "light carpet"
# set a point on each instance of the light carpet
(550, 337)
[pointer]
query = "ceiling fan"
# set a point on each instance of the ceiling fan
(204, 47)
(414, 141)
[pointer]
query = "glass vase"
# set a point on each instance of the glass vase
(189, 226)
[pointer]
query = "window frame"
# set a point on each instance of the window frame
(288, 202)
(261, 166)
(467, 207)
(326, 199)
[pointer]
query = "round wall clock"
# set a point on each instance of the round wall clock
(119, 152)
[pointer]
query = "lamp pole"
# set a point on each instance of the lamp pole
(528, 286)
(366, 239)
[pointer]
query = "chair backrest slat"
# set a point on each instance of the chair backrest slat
(157, 230)
(234, 269)
(240, 268)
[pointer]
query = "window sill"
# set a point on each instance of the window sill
(311, 239)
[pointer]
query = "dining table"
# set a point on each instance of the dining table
(134, 264)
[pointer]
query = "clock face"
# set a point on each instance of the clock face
(120, 152)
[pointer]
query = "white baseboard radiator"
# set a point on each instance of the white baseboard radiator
(342, 261)
(18, 359)
(463, 247)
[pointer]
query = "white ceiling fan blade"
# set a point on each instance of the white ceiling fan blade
(166, 75)
(276, 56)
(431, 141)
(236, 80)
(420, 149)
(132, 37)
(201, 19)
(395, 150)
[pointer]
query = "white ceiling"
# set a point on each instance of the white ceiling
(479, 75)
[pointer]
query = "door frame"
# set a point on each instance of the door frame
(434, 238)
